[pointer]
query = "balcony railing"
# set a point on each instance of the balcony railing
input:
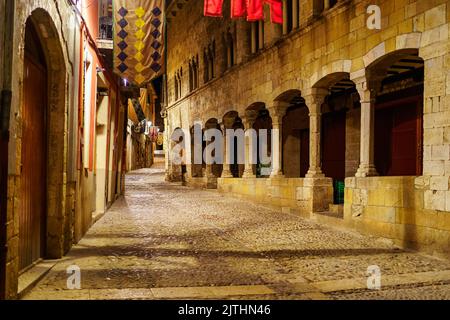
(106, 28)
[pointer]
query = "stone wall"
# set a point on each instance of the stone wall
(55, 18)
(395, 208)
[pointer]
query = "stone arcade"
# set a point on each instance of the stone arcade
(362, 114)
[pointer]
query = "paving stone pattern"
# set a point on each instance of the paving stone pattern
(165, 241)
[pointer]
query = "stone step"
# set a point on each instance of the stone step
(331, 214)
(329, 218)
(337, 209)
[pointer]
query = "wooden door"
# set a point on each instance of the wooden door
(405, 141)
(398, 137)
(34, 175)
(333, 145)
(304, 152)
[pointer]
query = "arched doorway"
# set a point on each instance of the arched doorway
(216, 168)
(296, 135)
(232, 121)
(262, 124)
(340, 132)
(33, 208)
(178, 152)
(196, 168)
(399, 114)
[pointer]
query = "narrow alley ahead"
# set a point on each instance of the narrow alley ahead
(165, 241)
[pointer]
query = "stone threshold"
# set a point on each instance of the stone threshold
(29, 279)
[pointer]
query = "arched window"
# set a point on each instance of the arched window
(193, 74)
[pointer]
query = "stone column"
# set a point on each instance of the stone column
(210, 179)
(277, 112)
(249, 120)
(261, 34)
(295, 14)
(314, 102)
(326, 4)
(167, 145)
(188, 158)
(367, 95)
(254, 40)
(226, 172)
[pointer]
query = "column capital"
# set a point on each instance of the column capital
(250, 118)
(315, 99)
(368, 87)
(278, 110)
(227, 124)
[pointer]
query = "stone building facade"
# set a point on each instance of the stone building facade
(363, 113)
(43, 169)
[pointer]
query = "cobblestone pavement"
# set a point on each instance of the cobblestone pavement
(165, 241)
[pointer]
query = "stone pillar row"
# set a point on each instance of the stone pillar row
(314, 100)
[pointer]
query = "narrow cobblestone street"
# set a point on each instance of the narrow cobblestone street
(165, 241)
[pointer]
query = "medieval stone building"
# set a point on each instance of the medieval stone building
(363, 113)
(62, 133)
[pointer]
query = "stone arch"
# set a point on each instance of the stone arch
(213, 171)
(56, 110)
(330, 79)
(396, 85)
(196, 168)
(289, 96)
(340, 130)
(295, 140)
(407, 41)
(232, 121)
(258, 117)
(335, 67)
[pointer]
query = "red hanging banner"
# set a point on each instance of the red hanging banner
(213, 8)
(276, 11)
(253, 10)
(238, 8)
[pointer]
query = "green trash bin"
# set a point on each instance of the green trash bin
(339, 192)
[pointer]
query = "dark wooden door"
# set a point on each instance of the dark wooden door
(333, 145)
(398, 138)
(304, 152)
(34, 176)
(405, 141)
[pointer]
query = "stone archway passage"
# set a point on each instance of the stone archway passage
(296, 141)
(33, 207)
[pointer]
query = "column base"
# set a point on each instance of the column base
(313, 174)
(277, 175)
(366, 171)
(248, 174)
(227, 175)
